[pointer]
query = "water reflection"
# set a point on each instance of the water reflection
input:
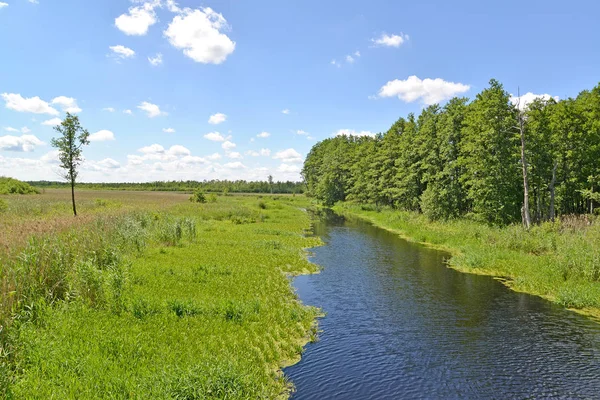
(400, 324)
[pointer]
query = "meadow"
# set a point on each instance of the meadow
(559, 261)
(147, 295)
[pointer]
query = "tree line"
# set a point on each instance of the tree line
(208, 186)
(487, 159)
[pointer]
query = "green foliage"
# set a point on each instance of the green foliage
(3, 205)
(198, 197)
(465, 160)
(14, 186)
(69, 144)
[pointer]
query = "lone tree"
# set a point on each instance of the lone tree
(69, 145)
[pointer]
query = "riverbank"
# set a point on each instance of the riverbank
(558, 261)
(178, 301)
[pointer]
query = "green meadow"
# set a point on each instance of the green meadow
(151, 296)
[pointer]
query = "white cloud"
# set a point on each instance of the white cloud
(34, 105)
(120, 51)
(102, 136)
(19, 143)
(336, 63)
(137, 20)
(199, 34)
(289, 156)
(128, 112)
(168, 130)
(215, 156)
(528, 98)
(156, 60)
(52, 122)
(25, 130)
(286, 111)
(152, 149)
(172, 6)
(262, 152)
(352, 132)
(217, 118)
(430, 91)
(152, 110)
(2, 5)
(301, 132)
(68, 104)
(357, 53)
(178, 150)
(228, 145)
(286, 168)
(109, 163)
(263, 135)
(11, 129)
(51, 157)
(390, 40)
(349, 59)
(235, 155)
(109, 109)
(214, 136)
(235, 165)
(34, 1)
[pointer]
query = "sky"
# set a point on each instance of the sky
(232, 89)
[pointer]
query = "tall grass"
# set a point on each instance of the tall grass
(190, 301)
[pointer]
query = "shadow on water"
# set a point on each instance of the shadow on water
(400, 324)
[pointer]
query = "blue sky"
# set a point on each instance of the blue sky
(332, 66)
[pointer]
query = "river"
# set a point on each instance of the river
(399, 324)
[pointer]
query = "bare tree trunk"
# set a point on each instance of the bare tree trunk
(526, 214)
(552, 191)
(73, 196)
(592, 201)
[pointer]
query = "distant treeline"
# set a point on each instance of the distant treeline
(466, 159)
(216, 186)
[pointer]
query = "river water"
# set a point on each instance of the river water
(401, 325)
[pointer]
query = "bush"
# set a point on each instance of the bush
(14, 186)
(198, 197)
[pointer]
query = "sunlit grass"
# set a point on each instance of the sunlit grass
(178, 300)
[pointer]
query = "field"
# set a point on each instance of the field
(147, 295)
(559, 261)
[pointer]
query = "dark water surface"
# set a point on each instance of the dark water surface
(400, 325)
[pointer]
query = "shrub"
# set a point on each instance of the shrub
(198, 197)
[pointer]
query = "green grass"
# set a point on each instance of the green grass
(559, 261)
(189, 302)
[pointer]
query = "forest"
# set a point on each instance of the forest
(487, 159)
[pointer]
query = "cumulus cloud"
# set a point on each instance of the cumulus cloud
(263, 135)
(335, 63)
(215, 137)
(68, 104)
(156, 60)
(352, 132)
(390, 40)
(235, 165)
(288, 156)
(199, 33)
(128, 112)
(151, 110)
(137, 20)
(286, 168)
(178, 150)
(10, 129)
(301, 132)
(235, 155)
(168, 130)
(429, 91)
(102, 136)
(34, 105)
(25, 130)
(2, 5)
(109, 109)
(214, 156)
(24, 143)
(52, 122)
(350, 59)
(262, 152)
(22, 130)
(523, 101)
(122, 52)
(228, 145)
(109, 163)
(217, 118)
(152, 149)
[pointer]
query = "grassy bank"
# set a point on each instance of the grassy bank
(158, 299)
(559, 261)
